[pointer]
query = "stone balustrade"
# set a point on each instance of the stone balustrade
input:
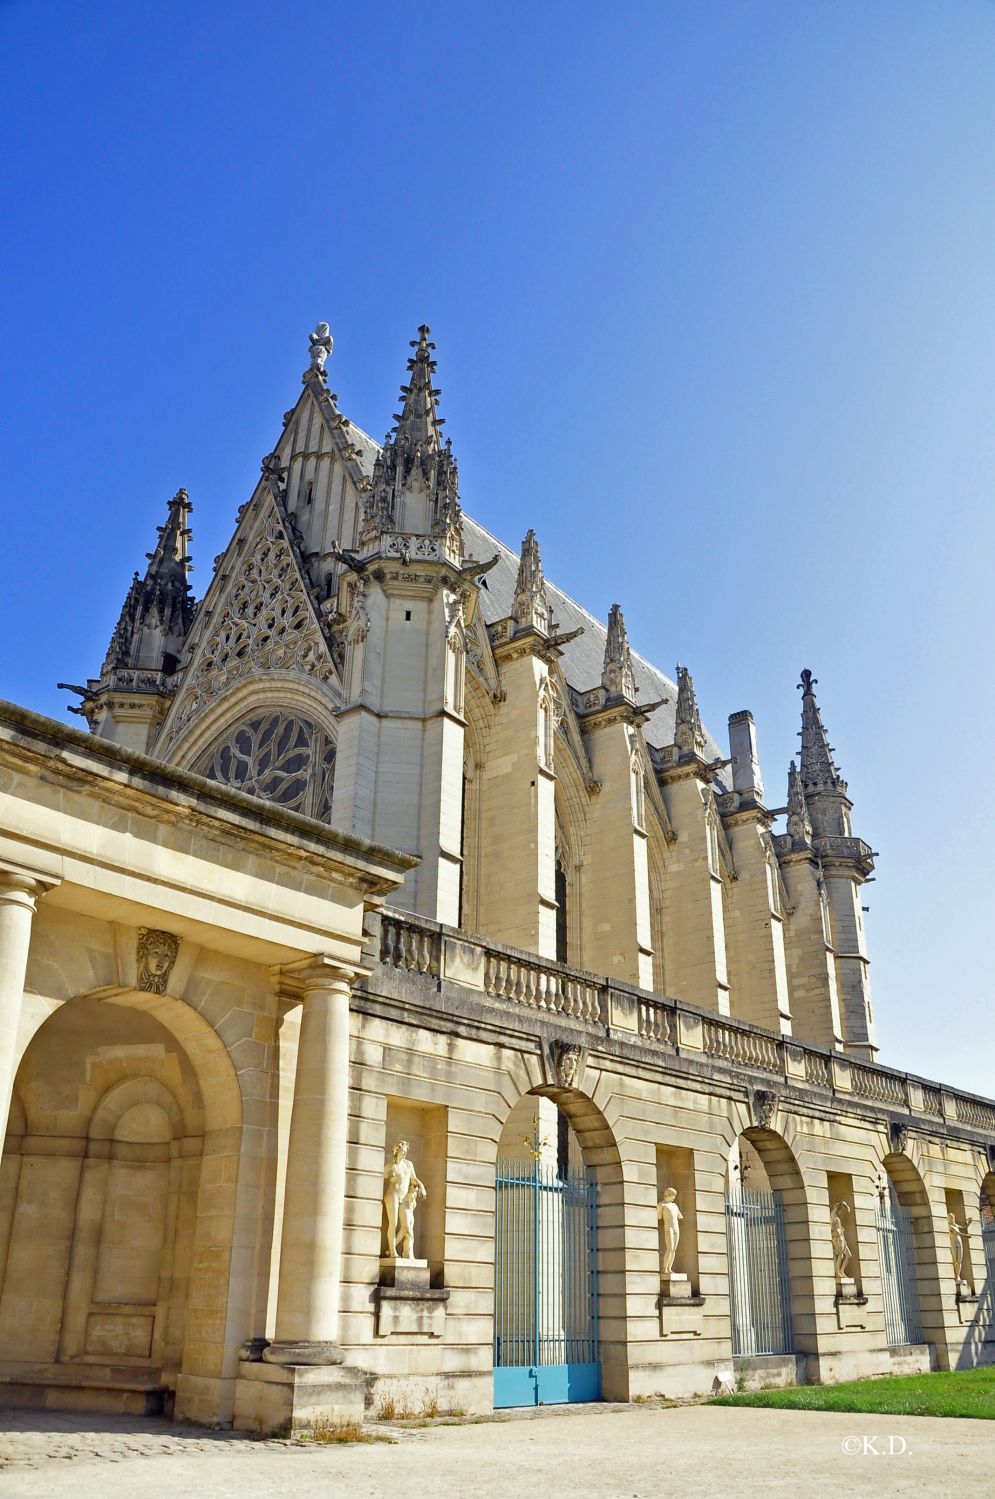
(507, 975)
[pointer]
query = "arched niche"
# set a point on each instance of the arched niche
(126, 1114)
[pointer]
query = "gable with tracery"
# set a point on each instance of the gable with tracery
(261, 621)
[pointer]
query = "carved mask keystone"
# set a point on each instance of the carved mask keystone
(899, 1138)
(156, 956)
(569, 1061)
(764, 1108)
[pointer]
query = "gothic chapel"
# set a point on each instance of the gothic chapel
(405, 1000)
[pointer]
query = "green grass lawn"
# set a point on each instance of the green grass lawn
(968, 1392)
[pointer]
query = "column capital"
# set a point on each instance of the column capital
(314, 975)
(23, 887)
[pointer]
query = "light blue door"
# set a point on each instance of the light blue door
(545, 1287)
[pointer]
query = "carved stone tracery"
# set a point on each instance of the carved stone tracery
(280, 758)
(264, 623)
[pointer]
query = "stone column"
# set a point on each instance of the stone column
(307, 1309)
(18, 897)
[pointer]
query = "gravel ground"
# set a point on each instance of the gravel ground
(619, 1452)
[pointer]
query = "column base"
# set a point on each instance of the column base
(303, 1353)
(276, 1398)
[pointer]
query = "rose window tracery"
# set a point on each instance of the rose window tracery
(280, 758)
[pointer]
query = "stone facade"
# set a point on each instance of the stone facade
(213, 1030)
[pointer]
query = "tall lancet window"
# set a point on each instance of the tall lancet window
(560, 891)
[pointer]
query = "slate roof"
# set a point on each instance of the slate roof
(582, 658)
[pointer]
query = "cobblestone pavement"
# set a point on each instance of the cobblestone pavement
(583, 1453)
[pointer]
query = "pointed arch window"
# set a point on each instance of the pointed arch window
(278, 757)
(560, 891)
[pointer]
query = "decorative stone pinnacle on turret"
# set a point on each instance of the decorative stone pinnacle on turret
(799, 822)
(320, 344)
(415, 486)
(689, 736)
(530, 610)
(143, 656)
(617, 677)
(818, 768)
(158, 608)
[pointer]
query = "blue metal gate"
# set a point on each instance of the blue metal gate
(759, 1306)
(545, 1287)
(899, 1288)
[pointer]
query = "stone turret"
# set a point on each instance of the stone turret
(617, 677)
(129, 699)
(415, 488)
(824, 866)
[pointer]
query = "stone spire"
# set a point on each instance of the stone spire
(530, 610)
(818, 768)
(689, 736)
(415, 479)
(617, 676)
(799, 822)
(158, 609)
(138, 679)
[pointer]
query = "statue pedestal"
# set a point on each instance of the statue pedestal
(406, 1303)
(406, 1275)
(851, 1305)
(680, 1311)
(675, 1286)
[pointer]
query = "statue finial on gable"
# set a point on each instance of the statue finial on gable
(321, 344)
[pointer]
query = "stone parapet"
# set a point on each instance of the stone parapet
(509, 976)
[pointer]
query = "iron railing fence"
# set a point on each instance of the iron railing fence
(899, 1285)
(759, 1299)
(988, 1244)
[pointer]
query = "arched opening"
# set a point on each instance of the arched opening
(907, 1255)
(559, 1335)
(770, 1287)
(986, 1219)
(125, 1125)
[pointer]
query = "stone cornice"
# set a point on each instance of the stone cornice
(123, 777)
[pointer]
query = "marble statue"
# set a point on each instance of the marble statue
(156, 955)
(670, 1215)
(957, 1230)
(406, 1221)
(321, 343)
(402, 1189)
(842, 1254)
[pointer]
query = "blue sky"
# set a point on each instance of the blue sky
(713, 294)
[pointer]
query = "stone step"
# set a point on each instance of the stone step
(114, 1388)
